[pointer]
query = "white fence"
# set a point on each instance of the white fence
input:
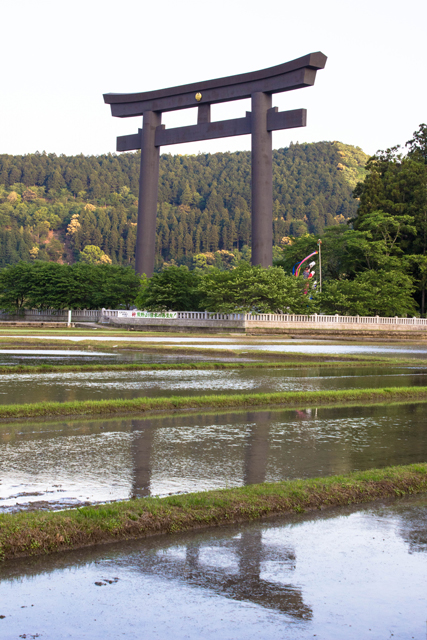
(53, 315)
(323, 319)
(104, 315)
(290, 318)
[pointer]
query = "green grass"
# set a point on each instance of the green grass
(39, 533)
(242, 400)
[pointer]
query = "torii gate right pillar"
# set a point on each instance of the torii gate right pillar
(262, 181)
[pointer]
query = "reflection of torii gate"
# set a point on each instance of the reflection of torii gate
(255, 452)
(250, 551)
(260, 122)
(243, 581)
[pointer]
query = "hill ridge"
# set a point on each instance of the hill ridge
(51, 206)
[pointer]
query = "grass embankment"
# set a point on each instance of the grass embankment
(39, 533)
(192, 366)
(242, 400)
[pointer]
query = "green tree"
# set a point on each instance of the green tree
(15, 285)
(418, 145)
(175, 289)
(393, 203)
(92, 254)
(48, 285)
(254, 289)
(120, 287)
(345, 252)
(371, 293)
(51, 286)
(388, 228)
(97, 286)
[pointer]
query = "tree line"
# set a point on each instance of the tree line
(373, 263)
(49, 285)
(381, 252)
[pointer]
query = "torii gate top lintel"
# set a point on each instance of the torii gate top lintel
(259, 123)
(282, 77)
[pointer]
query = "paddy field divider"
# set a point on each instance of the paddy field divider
(44, 532)
(242, 400)
(205, 366)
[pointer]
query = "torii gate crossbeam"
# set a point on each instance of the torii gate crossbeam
(259, 123)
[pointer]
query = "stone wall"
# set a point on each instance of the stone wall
(334, 330)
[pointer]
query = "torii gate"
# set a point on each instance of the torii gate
(259, 122)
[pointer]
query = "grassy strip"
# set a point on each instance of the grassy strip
(187, 366)
(144, 405)
(37, 533)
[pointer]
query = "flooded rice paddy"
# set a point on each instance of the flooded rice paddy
(352, 573)
(273, 345)
(61, 387)
(70, 463)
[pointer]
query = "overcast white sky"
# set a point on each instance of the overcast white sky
(58, 58)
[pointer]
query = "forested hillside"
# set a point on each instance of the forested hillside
(52, 207)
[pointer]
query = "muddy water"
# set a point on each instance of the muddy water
(54, 465)
(61, 387)
(355, 573)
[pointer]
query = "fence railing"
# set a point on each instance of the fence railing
(283, 318)
(103, 315)
(336, 319)
(89, 315)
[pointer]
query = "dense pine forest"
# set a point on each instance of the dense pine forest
(52, 208)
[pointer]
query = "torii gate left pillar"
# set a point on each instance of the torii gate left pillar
(259, 123)
(148, 193)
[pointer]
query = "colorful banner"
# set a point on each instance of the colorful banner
(297, 272)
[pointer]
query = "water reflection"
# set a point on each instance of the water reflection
(284, 344)
(67, 356)
(63, 387)
(53, 465)
(233, 568)
(349, 573)
(142, 445)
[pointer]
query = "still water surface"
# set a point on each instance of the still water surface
(348, 574)
(62, 387)
(68, 463)
(402, 349)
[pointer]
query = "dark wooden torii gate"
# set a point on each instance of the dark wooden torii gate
(259, 122)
